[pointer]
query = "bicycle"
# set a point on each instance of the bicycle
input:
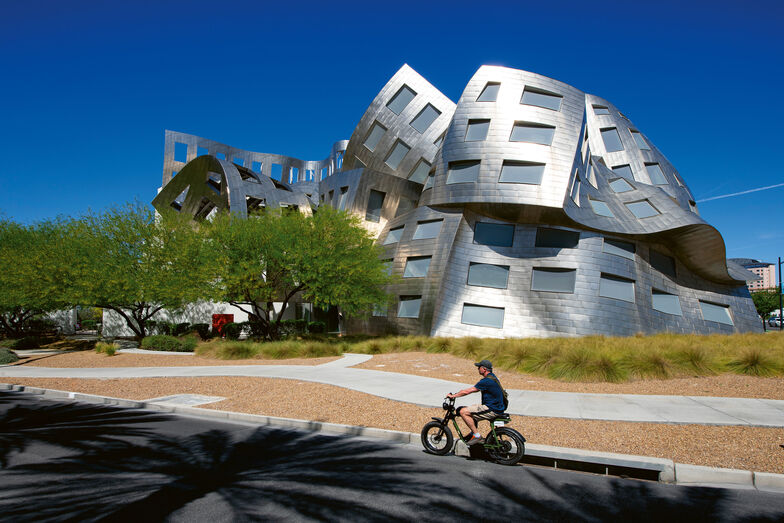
(504, 445)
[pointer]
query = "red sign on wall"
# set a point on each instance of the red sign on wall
(219, 320)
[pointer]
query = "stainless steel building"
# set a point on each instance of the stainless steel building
(529, 208)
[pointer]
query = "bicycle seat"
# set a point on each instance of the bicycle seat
(502, 417)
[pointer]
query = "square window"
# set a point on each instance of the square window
(621, 185)
(521, 172)
(601, 208)
(409, 306)
(532, 133)
(642, 209)
(716, 312)
(656, 174)
(463, 172)
(416, 267)
(552, 279)
(619, 248)
(556, 238)
(612, 140)
(483, 316)
(396, 155)
(375, 203)
(489, 93)
(625, 171)
(427, 230)
(374, 136)
(666, 302)
(180, 152)
(401, 99)
(600, 109)
(640, 141)
(611, 286)
(393, 236)
(255, 167)
(541, 98)
(499, 234)
(486, 275)
(477, 130)
(425, 118)
(419, 174)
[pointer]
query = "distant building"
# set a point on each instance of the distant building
(766, 271)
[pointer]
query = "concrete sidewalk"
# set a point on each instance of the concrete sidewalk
(430, 392)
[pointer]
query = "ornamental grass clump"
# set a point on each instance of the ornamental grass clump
(109, 349)
(755, 362)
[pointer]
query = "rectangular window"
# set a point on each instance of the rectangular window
(486, 275)
(409, 306)
(621, 185)
(576, 189)
(656, 174)
(277, 172)
(425, 118)
(666, 302)
(343, 198)
(416, 267)
(663, 263)
(716, 312)
(489, 93)
(499, 234)
(220, 156)
(546, 237)
(440, 140)
(429, 183)
(404, 205)
(294, 175)
(419, 174)
(238, 161)
(624, 170)
(399, 151)
(616, 287)
(324, 172)
(612, 140)
(600, 109)
(201, 151)
(374, 136)
(214, 182)
(642, 209)
(640, 141)
(532, 133)
(380, 310)
(521, 172)
(393, 236)
(255, 167)
(375, 203)
(540, 98)
(463, 172)
(619, 248)
(601, 208)
(553, 279)
(427, 230)
(483, 316)
(180, 152)
(477, 130)
(401, 99)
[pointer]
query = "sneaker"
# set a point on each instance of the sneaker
(476, 440)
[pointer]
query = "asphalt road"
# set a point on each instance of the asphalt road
(75, 461)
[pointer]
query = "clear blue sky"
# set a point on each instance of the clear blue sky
(87, 88)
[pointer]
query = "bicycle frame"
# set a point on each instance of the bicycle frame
(451, 415)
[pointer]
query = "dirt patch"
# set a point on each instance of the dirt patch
(90, 359)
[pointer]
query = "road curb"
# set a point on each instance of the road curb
(623, 465)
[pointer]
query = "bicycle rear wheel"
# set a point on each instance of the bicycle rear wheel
(507, 448)
(437, 438)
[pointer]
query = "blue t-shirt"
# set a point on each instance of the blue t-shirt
(492, 396)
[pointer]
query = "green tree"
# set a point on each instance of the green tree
(135, 264)
(327, 258)
(766, 301)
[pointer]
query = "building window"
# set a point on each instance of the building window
(656, 174)
(663, 263)
(427, 230)
(575, 196)
(201, 151)
(425, 118)
(404, 205)
(393, 236)
(600, 109)
(499, 234)
(642, 209)
(601, 208)
(409, 306)
(255, 167)
(540, 98)
(621, 185)
(416, 267)
(616, 287)
(375, 203)
(429, 182)
(483, 316)
(552, 279)
(521, 172)
(419, 174)
(180, 152)
(380, 310)
(343, 198)
(388, 265)
(619, 248)
(666, 302)
(612, 140)
(558, 238)
(477, 130)
(220, 156)
(401, 99)
(463, 172)
(324, 172)
(396, 155)
(374, 136)
(716, 312)
(532, 133)
(486, 275)
(440, 140)
(640, 141)
(489, 93)
(624, 170)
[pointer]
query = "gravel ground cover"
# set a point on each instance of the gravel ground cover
(729, 447)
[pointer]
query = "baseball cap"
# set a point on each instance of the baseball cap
(485, 363)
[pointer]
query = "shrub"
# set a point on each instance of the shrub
(203, 330)
(41, 326)
(317, 327)
(89, 325)
(168, 343)
(28, 342)
(7, 356)
(292, 327)
(233, 330)
(180, 329)
(257, 329)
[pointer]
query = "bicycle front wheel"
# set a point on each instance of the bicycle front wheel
(507, 448)
(437, 438)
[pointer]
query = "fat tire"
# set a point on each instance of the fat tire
(512, 437)
(435, 429)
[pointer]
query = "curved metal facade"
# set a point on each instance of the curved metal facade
(529, 208)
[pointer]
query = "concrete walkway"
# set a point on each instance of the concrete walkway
(430, 392)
